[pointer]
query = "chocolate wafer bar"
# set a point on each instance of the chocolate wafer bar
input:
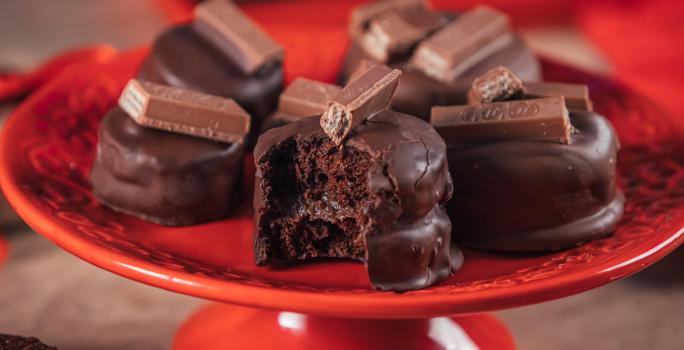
(462, 43)
(542, 118)
(223, 24)
(498, 84)
(306, 98)
(357, 101)
(185, 112)
(393, 34)
(363, 14)
(576, 95)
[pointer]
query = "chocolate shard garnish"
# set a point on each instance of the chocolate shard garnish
(462, 43)
(360, 99)
(576, 95)
(185, 112)
(542, 118)
(362, 15)
(306, 98)
(395, 33)
(223, 24)
(498, 84)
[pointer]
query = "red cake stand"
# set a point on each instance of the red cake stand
(48, 145)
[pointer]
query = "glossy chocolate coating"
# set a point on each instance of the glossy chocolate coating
(162, 177)
(526, 195)
(417, 92)
(180, 57)
(406, 232)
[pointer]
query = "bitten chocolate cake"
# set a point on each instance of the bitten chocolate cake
(439, 53)
(221, 53)
(170, 156)
(529, 175)
(376, 197)
(13, 342)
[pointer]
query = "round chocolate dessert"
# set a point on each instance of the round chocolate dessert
(418, 92)
(14, 342)
(532, 195)
(182, 58)
(163, 177)
(377, 199)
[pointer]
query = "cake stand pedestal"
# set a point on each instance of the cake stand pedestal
(47, 147)
(222, 326)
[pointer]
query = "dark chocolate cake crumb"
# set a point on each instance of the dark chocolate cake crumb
(14, 342)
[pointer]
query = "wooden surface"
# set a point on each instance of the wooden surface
(46, 292)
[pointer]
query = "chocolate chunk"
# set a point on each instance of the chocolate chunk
(463, 43)
(186, 112)
(359, 100)
(543, 118)
(498, 84)
(362, 15)
(576, 95)
(306, 98)
(395, 33)
(231, 31)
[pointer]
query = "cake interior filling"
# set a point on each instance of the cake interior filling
(316, 199)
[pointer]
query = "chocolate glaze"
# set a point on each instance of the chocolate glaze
(417, 92)
(404, 233)
(526, 195)
(180, 57)
(162, 177)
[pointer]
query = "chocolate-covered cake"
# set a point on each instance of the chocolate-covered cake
(527, 195)
(221, 53)
(169, 176)
(375, 195)
(483, 40)
(14, 342)
(529, 175)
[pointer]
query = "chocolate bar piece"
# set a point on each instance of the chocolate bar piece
(462, 43)
(306, 98)
(395, 33)
(185, 112)
(233, 33)
(498, 84)
(362, 67)
(388, 36)
(576, 95)
(359, 100)
(362, 15)
(543, 118)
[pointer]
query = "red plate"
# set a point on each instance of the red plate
(48, 145)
